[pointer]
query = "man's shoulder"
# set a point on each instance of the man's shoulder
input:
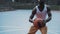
(35, 7)
(48, 8)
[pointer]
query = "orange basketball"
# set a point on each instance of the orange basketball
(38, 22)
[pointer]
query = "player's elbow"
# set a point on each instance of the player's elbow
(30, 20)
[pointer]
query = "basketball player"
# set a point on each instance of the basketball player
(40, 11)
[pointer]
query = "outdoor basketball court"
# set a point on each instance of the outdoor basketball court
(17, 22)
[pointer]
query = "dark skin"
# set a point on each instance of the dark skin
(41, 7)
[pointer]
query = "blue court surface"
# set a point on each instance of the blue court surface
(17, 22)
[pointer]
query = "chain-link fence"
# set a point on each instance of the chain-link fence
(28, 4)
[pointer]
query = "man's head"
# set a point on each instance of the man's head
(41, 2)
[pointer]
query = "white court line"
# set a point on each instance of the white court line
(13, 28)
(17, 28)
(10, 30)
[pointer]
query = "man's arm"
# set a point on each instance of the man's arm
(32, 15)
(49, 15)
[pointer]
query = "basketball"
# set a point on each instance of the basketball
(38, 22)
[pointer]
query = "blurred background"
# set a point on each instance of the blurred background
(14, 16)
(26, 4)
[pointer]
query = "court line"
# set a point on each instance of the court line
(17, 28)
(11, 28)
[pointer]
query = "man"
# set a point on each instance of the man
(40, 11)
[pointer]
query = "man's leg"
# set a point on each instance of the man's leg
(33, 30)
(43, 30)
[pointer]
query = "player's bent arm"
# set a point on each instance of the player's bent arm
(49, 15)
(32, 15)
